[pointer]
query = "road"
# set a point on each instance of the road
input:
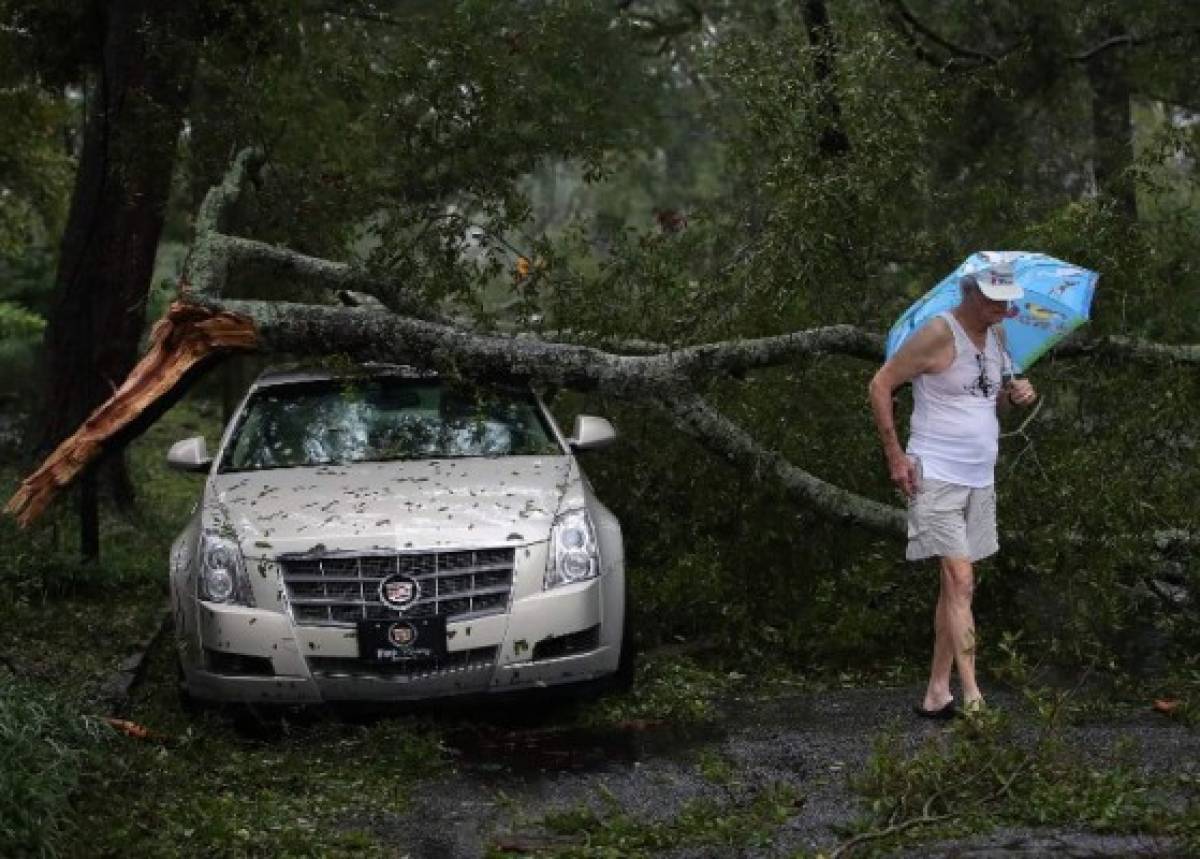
(512, 771)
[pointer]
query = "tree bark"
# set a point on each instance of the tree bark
(833, 140)
(135, 106)
(1112, 127)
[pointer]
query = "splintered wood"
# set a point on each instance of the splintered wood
(186, 335)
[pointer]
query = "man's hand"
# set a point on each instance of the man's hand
(903, 471)
(1021, 392)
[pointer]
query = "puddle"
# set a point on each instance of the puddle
(487, 749)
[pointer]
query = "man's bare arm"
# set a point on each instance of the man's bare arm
(930, 349)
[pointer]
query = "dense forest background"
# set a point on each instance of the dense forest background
(666, 172)
(619, 172)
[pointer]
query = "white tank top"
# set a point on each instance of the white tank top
(954, 430)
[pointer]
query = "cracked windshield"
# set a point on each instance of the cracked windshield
(334, 423)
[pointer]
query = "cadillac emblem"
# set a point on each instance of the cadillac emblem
(401, 634)
(399, 592)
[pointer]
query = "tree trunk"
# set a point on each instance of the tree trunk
(833, 140)
(1112, 126)
(135, 105)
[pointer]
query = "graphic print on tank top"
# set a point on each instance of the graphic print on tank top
(982, 385)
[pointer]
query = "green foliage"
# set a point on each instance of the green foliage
(673, 690)
(414, 162)
(984, 772)
(44, 747)
(740, 825)
(17, 323)
(35, 165)
(990, 769)
(309, 787)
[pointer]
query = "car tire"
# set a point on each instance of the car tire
(623, 679)
(188, 703)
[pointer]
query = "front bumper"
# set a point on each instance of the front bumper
(547, 638)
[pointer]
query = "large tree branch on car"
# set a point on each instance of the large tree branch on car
(193, 332)
(207, 323)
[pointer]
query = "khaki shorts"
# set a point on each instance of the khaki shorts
(948, 520)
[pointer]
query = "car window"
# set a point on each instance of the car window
(376, 420)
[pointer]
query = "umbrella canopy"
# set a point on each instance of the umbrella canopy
(1057, 300)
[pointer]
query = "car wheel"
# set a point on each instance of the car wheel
(622, 680)
(187, 702)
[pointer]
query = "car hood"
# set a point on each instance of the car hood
(468, 502)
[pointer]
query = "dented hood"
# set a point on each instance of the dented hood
(423, 504)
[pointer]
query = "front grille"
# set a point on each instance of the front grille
(341, 590)
(409, 669)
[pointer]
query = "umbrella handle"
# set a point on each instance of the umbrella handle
(1010, 364)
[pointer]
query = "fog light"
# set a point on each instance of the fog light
(576, 566)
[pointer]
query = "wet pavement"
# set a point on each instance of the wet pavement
(509, 775)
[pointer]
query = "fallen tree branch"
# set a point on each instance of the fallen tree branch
(211, 267)
(180, 341)
(1130, 349)
(725, 438)
(208, 322)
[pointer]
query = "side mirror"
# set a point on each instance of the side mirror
(191, 454)
(591, 433)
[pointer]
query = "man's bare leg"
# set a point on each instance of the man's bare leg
(958, 574)
(937, 693)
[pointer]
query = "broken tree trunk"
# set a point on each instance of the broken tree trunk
(205, 324)
(180, 342)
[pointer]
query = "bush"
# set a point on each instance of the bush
(44, 745)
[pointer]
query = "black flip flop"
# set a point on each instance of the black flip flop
(947, 712)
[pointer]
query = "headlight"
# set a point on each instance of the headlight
(574, 555)
(222, 574)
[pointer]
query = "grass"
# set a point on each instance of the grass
(677, 690)
(989, 771)
(44, 747)
(210, 784)
(725, 828)
(72, 623)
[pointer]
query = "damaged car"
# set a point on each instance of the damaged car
(387, 535)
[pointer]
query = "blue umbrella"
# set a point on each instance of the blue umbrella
(1057, 300)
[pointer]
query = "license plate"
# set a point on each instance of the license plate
(402, 639)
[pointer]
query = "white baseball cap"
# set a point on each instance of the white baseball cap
(996, 282)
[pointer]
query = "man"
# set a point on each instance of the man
(960, 373)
